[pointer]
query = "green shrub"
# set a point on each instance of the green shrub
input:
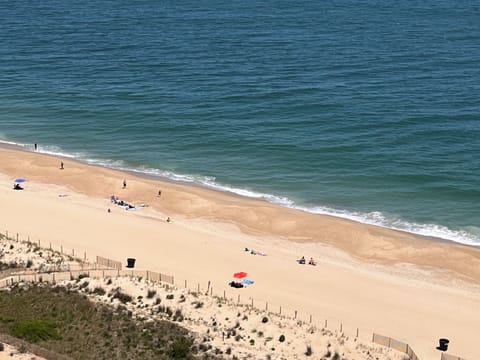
(309, 351)
(180, 348)
(124, 298)
(35, 330)
(99, 291)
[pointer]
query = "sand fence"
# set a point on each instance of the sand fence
(395, 344)
(450, 357)
(104, 268)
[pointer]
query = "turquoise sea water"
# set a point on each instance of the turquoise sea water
(368, 110)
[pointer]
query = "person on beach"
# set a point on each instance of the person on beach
(168, 219)
(159, 193)
(302, 260)
(312, 262)
(124, 183)
(61, 165)
(35, 146)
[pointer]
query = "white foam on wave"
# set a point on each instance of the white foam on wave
(468, 236)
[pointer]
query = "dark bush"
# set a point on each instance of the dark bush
(264, 320)
(124, 298)
(180, 348)
(281, 338)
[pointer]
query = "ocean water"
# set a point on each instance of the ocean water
(368, 110)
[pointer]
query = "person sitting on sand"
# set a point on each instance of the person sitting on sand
(17, 187)
(235, 284)
(302, 260)
(311, 261)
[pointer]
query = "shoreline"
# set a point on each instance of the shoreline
(367, 277)
(233, 192)
(370, 243)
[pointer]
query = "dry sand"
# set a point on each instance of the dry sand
(400, 285)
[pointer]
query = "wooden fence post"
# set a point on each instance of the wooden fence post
(357, 334)
(252, 302)
(61, 249)
(310, 319)
(326, 323)
(280, 312)
(224, 297)
(341, 327)
(238, 300)
(17, 237)
(266, 306)
(295, 314)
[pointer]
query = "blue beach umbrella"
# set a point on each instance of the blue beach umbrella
(247, 282)
(20, 180)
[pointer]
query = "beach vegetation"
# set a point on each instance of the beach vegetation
(151, 294)
(281, 338)
(170, 296)
(309, 351)
(2, 347)
(178, 316)
(69, 324)
(35, 330)
(124, 298)
(198, 304)
(99, 291)
(264, 319)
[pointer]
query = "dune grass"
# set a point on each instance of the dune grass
(67, 323)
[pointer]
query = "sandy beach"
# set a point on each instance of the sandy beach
(413, 289)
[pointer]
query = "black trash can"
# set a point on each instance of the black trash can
(130, 263)
(443, 344)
